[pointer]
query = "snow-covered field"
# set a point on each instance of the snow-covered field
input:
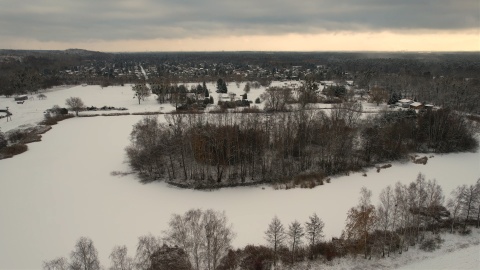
(62, 187)
(456, 252)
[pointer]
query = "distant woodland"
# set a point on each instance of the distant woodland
(444, 79)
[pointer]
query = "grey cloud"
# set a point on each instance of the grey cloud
(70, 20)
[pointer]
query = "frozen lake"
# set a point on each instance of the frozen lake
(62, 189)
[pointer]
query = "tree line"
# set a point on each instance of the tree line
(205, 150)
(407, 215)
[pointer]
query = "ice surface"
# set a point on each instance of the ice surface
(62, 189)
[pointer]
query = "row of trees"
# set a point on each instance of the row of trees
(443, 79)
(195, 240)
(206, 150)
(406, 215)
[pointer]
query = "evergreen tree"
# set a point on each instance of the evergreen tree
(221, 86)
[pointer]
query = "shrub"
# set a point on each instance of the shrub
(53, 120)
(257, 100)
(251, 110)
(3, 141)
(431, 243)
(256, 258)
(16, 136)
(13, 150)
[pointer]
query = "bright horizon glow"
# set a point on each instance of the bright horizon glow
(339, 41)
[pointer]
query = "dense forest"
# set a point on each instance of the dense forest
(205, 150)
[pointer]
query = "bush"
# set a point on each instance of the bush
(3, 141)
(251, 110)
(53, 120)
(16, 136)
(256, 258)
(257, 100)
(430, 244)
(14, 150)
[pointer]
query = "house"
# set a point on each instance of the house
(416, 105)
(428, 106)
(223, 97)
(21, 97)
(405, 102)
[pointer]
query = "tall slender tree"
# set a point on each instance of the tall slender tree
(275, 236)
(295, 234)
(314, 231)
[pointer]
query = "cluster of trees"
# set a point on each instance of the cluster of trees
(195, 240)
(168, 91)
(406, 215)
(207, 150)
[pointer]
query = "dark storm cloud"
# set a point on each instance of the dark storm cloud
(82, 20)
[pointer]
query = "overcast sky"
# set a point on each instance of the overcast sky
(205, 25)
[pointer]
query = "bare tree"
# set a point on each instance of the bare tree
(277, 98)
(120, 260)
(454, 204)
(470, 198)
(218, 236)
(478, 202)
(378, 95)
(147, 245)
(75, 104)
(307, 93)
(275, 235)
(314, 230)
(361, 221)
(85, 255)
(141, 91)
(204, 236)
(385, 215)
(56, 264)
(403, 210)
(295, 234)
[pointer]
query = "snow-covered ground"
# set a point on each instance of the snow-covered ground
(456, 252)
(62, 187)
(467, 258)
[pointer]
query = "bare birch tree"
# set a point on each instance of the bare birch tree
(56, 264)
(275, 236)
(314, 230)
(120, 260)
(295, 234)
(84, 256)
(146, 246)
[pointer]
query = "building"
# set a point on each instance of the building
(416, 105)
(21, 97)
(405, 102)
